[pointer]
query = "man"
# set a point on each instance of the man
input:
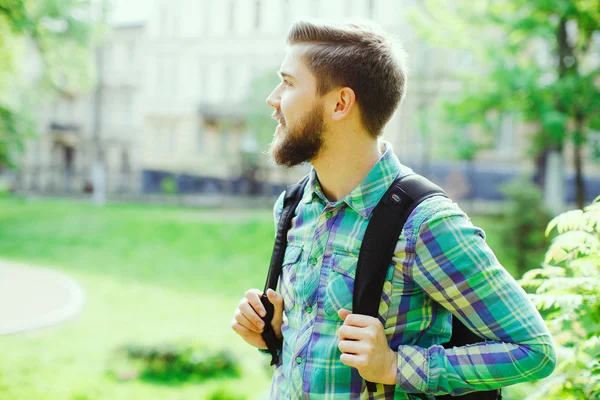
(339, 86)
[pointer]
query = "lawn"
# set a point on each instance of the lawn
(152, 275)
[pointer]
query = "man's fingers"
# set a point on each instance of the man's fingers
(245, 322)
(350, 347)
(361, 321)
(248, 334)
(251, 315)
(253, 297)
(352, 360)
(240, 329)
(348, 332)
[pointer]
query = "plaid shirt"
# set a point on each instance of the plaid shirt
(442, 266)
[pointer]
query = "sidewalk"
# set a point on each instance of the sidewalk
(33, 298)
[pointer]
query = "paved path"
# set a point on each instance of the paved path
(34, 298)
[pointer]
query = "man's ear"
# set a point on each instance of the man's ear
(345, 100)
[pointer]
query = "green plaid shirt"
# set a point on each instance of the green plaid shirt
(442, 267)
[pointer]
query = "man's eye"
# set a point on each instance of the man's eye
(286, 83)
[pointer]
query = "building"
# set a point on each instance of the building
(174, 98)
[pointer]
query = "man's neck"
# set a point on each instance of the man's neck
(344, 164)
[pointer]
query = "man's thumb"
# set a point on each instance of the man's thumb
(343, 313)
(276, 299)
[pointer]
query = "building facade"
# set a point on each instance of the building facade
(175, 93)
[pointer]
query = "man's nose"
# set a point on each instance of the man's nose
(273, 99)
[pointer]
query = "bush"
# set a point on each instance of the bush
(223, 394)
(168, 185)
(568, 293)
(174, 363)
(522, 231)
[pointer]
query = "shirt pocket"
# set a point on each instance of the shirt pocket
(289, 272)
(340, 284)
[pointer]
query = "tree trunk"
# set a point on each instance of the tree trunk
(539, 174)
(579, 182)
(578, 162)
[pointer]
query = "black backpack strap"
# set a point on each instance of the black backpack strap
(292, 197)
(381, 237)
(377, 251)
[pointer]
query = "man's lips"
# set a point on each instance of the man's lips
(278, 119)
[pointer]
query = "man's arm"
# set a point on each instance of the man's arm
(454, 266)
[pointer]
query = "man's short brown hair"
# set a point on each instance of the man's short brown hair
(356, 56)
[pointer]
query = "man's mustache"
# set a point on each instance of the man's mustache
(278, 117)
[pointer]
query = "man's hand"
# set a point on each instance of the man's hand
(364, 346)
(246, 319)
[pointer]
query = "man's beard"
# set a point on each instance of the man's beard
(299, 143)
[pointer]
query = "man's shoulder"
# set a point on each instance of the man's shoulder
(433, 208)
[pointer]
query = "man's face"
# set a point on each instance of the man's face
(299, 136)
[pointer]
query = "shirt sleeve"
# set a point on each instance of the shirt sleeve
(455, 267)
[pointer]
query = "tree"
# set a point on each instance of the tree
(535, 61)
(567, 291)
(62, 33)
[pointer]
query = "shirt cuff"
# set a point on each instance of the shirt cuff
(413, 369)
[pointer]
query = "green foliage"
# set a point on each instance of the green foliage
(523, 224)
(172, 363)
(168, 185)
(567, 290)
(224, 394)
(62, 34)
(531, 58)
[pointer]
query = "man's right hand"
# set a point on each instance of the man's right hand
(247, 320)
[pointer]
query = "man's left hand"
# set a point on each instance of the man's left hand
(364, 346)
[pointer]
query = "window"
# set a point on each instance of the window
(200, 138)
(257, 15)
(167, 75)
(227, 83)
(202, 81)
(314, 8)
(224, 140)
(371, 8)
(171, 131)
(157, 143)
(505, 136)
(169, 25)
(285, 17)
(231, 16)
(206, 9)
(348, 9)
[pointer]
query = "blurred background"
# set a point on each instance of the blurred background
(132, 159)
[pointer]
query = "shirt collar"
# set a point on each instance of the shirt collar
(367, 194)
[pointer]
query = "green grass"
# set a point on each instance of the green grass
(152, 275)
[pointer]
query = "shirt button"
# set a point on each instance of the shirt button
(329, 214)
(314, 261)
(299, 360)
(309, 309)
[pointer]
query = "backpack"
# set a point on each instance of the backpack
(377, 249)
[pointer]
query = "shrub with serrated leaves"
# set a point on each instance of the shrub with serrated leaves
(567, 292)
